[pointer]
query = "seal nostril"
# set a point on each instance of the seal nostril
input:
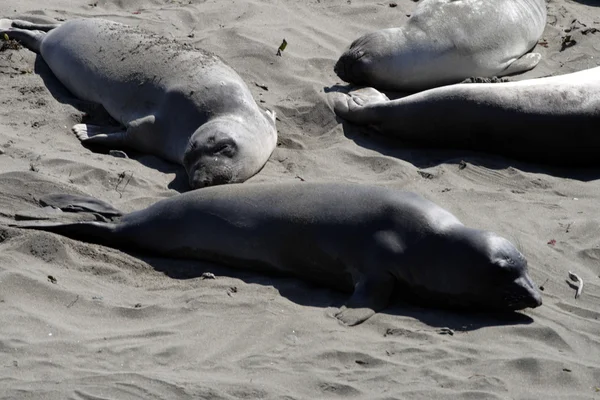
(535, 300)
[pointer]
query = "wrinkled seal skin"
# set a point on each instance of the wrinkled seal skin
(182, 104)
(356, 238)
(445, 42)
(553, 120)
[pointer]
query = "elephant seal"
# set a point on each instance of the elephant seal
(179, 103)
(355, 238)
(552, 120)
(447, 41)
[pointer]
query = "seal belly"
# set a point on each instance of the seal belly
(99, 61)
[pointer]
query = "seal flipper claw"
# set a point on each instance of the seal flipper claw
(100, 135)
(372, 294)
(522, 64)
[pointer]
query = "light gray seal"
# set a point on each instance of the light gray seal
(356, 238)
(552, 120)
(179, 103)
(447, 41)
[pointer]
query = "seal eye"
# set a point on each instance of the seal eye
(224, 148)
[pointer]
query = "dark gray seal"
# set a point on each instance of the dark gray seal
(553, 120)
(356, 238)
(447, 41)
(179, 103)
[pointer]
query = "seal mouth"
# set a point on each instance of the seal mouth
(530, 299)
(205, 182)
(200, 179)
(523, 303)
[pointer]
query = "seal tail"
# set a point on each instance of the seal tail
(104, 233)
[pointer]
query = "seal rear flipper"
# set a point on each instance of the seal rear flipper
(31, 26)
(104, 233)
(76, 203)
(30, 39)
(371, 294)
(522, 64)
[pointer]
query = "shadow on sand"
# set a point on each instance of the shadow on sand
(308, 294)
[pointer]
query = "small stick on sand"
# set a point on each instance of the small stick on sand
(576, 278)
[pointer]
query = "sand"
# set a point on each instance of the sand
(82, 321)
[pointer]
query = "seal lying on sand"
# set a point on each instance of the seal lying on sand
(176, 102)
(447, 41)
(552, 120)
(350, 237)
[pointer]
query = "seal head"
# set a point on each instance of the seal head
(223, 151)
(356, 65)
(470, 268)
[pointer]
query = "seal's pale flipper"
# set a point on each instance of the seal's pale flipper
(100, 135)
(522, 64)
(30, 39)
(17, 23)
(372, 294)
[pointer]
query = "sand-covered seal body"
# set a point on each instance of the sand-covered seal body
(445, 42)
(182, 104)
(357, 238)
(552, 120)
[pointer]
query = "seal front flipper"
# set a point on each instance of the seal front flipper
(137, 135)
(371, 294)
(76, 203)
(100, 135)
(522, 64)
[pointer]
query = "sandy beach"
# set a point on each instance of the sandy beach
(83, 321)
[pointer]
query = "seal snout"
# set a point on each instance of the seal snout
(537, 301)
(350, 66)
(202, 176)
(535, 297)
(534, 300)
(199, 182)
(525, 295)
